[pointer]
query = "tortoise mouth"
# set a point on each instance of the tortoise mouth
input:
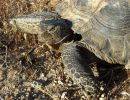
(70, 37)
(77, 37)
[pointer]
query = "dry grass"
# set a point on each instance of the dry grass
(30, 70)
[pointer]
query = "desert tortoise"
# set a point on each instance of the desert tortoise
(103, 24)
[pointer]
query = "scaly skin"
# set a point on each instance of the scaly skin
(77, 68)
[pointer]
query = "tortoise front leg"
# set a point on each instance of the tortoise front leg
(77, 68)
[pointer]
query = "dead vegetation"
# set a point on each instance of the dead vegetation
(30, 70)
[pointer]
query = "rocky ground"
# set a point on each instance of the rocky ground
(29, 70)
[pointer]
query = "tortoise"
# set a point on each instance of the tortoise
(103, 25)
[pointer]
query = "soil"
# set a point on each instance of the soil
(29, 70)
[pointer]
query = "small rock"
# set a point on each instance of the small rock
(63, 95)
(59, 82)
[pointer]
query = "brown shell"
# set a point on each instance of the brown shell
(104, 26)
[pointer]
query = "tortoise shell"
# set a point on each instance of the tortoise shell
(104, 26)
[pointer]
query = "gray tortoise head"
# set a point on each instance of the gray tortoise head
(104, 26)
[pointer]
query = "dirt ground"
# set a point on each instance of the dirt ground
(29, 70)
